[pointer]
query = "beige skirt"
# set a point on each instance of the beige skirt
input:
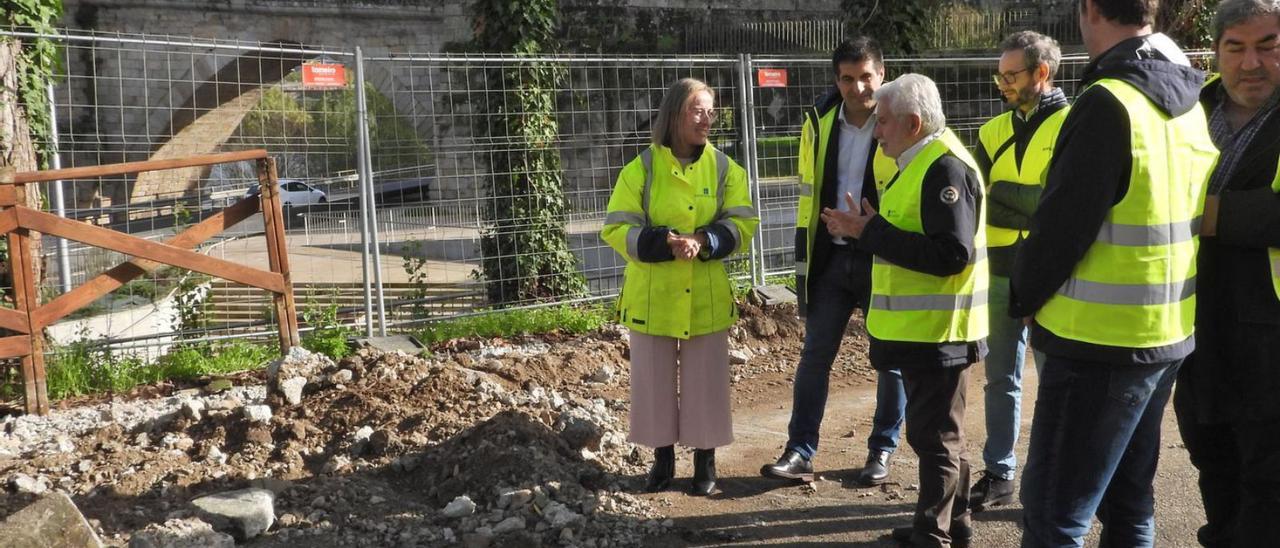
(680, 391)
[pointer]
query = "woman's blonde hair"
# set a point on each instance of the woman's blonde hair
(673, 103)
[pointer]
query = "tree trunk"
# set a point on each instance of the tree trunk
(17, 149)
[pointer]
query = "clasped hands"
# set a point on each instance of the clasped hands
(848, 224)
(686, 247)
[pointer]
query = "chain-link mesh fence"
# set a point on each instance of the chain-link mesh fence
(474, 162)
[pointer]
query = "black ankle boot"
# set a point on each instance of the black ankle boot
(663, 469)
(704, 472)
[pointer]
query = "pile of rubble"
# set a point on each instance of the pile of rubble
(482, 443)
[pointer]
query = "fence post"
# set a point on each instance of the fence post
(59, 207)
(278, 253)
(361, 158)
(747, 102)
(370, 231)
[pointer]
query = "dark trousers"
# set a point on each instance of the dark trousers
(839, 289)
(1229, 416)
(1239, 464)
(1095, 443)
(935, 431)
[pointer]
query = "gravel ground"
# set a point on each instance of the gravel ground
(485, 443)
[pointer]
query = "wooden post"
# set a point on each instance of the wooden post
(26, 301)
(277, 253)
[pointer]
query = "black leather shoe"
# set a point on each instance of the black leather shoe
(989, 491)
(663, 469)
(791, 465)
(960, 533)
(876, 470)
(704, 472)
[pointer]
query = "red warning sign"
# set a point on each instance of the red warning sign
(772, 78)
(324, 75)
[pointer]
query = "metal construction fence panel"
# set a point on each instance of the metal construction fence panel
(395, 168)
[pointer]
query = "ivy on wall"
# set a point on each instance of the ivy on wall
(901, 26)
(37, 65)
(525, 246)
(1188, 22)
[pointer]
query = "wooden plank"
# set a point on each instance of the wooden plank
(289, 304)
(8, 196)
(20, 269)
(272, 226)
(13, 320)
(8, 220)
(136, 167)
(121, 274)
(16, 346)
(35, 335)
(138, 247)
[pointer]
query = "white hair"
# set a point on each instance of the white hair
(915, 94)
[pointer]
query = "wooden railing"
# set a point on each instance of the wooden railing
(29, 318)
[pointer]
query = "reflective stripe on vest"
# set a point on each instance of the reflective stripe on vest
(1128, 294)
(1135, 286)
(1005, 166)
(907, 303)
(1149, 235)
(912, 306)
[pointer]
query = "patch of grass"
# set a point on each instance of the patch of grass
(788, 280)
(565, 319)
(329, 336)
(197, 360)
(85, 367)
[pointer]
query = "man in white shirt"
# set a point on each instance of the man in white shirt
(838, 156)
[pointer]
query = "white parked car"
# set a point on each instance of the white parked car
(293, 193)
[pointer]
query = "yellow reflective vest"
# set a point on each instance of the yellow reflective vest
(912, 306)
(815, 139)
(1273, 254)
(1135, 286)
(997, 139)
(677, 298)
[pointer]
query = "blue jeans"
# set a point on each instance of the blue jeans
(1007, 350)
(1095, 441)
(836, 293)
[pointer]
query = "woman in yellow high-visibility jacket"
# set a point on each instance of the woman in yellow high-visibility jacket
(679, 209)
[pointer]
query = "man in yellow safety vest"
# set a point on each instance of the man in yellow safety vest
(928, 311)
(1107, 277)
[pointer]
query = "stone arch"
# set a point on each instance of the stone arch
(210, 115)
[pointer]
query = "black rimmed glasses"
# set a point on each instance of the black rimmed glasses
(1008, 78)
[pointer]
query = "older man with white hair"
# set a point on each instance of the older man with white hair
(929, 279)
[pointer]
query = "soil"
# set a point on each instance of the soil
(531, 431)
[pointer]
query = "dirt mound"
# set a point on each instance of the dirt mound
(511, 442)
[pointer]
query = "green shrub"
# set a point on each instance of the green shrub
(328, 336)
(87, 367)
(565, 319)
